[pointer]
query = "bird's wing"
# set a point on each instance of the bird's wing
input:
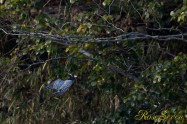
(55, 84)
(65, 87)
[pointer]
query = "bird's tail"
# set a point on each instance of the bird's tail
(58, 93)
(50, 86)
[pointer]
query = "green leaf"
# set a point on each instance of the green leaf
(72, 1)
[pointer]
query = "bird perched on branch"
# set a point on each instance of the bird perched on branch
(61, 85)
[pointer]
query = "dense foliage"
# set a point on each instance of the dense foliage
(116, 79)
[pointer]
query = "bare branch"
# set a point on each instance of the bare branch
(84, 39)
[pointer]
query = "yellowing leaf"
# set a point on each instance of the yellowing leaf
(69, 48)
(81, 29)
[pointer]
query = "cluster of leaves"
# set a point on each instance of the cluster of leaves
(164, 87)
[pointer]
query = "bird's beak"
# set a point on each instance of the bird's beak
(72, 75)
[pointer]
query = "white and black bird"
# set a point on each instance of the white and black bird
(62, 85)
